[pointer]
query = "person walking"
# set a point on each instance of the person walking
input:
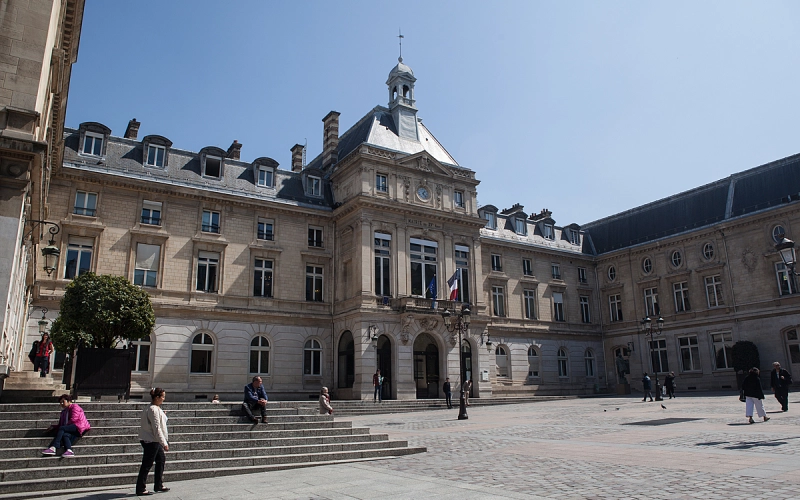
(255, 397)
(448, 393)
(669, 384)
(780, 380)
(43, 352)
(71, 425)
(647, 386)
(154, 439)
(377, 383)
(751, 388)
(325, 407)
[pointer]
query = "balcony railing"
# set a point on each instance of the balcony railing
(210, 228)
(84, 211)
(151, 221)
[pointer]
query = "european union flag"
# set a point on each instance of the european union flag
(432, 289)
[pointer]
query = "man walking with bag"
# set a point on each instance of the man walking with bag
(780, 380)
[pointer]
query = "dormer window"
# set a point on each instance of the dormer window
(155, 156)
(491, 220)
(266, 176)
(548, 232)
(520, 226)
(93, 137)
(212, 166)
(93, 144)
(574, 237)
(156, 151)
(313, 186)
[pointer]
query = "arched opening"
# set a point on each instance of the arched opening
(563, 363)
(588, 358)
(426, 367)
(501, 361)
(622, 365)
(466, 363)
(394, 94)
(347, 362)
(405, 91)
(385, 365)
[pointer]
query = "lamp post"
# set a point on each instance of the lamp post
(461, 325)
(651, 331)
(786, 249)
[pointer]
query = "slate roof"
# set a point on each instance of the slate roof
(743, 193)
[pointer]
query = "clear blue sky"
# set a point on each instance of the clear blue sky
(586, 108)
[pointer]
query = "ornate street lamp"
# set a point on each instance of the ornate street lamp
(50, 252)
(461, 325)
(372, 335)
(786, 249)
(650, 331)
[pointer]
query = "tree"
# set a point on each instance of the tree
(745, 356)
(101, 310)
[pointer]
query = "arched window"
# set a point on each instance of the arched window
(533, 362)
(140, 360)
(563, 368)
(202, 350)
(588, 358)
(312, 358)
(259, 355)
(501, 361)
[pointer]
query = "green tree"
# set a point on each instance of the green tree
(101, 310)
(745, 356)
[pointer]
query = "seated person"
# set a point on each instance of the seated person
(255, 397)
(71, 425)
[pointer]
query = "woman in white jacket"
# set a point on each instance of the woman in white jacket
(154, 439)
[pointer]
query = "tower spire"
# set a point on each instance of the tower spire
(400, 38)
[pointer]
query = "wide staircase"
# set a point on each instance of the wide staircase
(28, 386)
(368, 407)
(206, 440)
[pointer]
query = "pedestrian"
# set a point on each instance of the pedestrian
(325, 407)
(448, 393)
(216, 398)
(43, 352)
(669, 384)
(780, 380)
(255, 397)
(71, 425)
(467, 389)
(647, 387)
(751, 388)
(377, 383)
(154, 439)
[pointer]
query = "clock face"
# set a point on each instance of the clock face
(423, 193)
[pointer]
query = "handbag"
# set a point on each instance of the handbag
(741, 397)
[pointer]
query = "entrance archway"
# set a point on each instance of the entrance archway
(347, 363)
(466, 363)
(426, 367)
(385, 365)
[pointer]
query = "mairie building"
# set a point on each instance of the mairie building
(319, 273)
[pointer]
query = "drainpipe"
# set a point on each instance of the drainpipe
(730, 275)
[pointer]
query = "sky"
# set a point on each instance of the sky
(585, 108)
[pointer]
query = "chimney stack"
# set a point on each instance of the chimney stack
(330, 139)
(133, 129)
(297, 157)
(235, 150)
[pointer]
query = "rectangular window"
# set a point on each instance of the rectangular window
(548, 232)
(497, 263)
(491, 220)
(85, 203)
(585, 311)
(498, 301)
(714, 291)
(314, 283)
(527, 267)
(462, 265)
(140, 360)
(155, 156)
(615, 306)
(582, 275)
(558, 306)
(658, 358)
(520, 226)
(556, 271)
(383, 255)
(265, 229)
(458, 199)
(262, 278)
(79, 257)
(681, 293)
(723, 350)
(210, 222)
(207, 268)
(423, 267)
(151, 213)
(574, 237)
(92, 144)
(265, 176)
(784, 279)
(690, 353)
(313, 186)
(651, 302)
(529, 300)
(315, 236)
(381, 184)
(212, 166)
(146, 270)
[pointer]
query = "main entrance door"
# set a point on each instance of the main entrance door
(426, 367)
(385, 365)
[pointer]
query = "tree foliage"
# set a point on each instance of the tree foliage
(101, 310)
(745, 356)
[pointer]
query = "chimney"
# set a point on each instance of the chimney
(133, 129)
(234, 150)
(330, 139)
(297, 157)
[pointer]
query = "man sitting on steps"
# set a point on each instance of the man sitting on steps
(255, 397)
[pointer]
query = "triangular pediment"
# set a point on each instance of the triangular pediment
(424, 162)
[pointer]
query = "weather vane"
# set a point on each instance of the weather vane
(400, 37)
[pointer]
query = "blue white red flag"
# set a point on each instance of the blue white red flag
(453, 284)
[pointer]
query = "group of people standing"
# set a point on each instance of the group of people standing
(753, 395)
(669, 386)
(448, 392)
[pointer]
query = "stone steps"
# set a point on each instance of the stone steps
(205, 441)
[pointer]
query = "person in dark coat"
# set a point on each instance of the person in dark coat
(448, 392)
(647, 386)
(255, 397)
(669, 384)
(751, 388)
(780, 380)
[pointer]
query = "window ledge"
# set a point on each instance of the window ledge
(265, 245)
(529, 279)
(316, 253)
(210, 238)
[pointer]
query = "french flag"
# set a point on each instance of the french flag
(453, 284)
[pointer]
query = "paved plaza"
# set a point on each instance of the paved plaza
(579, 448)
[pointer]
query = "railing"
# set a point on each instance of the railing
(151, 221)
(85, 211)
(264, 236)
(210, 228)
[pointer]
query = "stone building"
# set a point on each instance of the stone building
(318, 274)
